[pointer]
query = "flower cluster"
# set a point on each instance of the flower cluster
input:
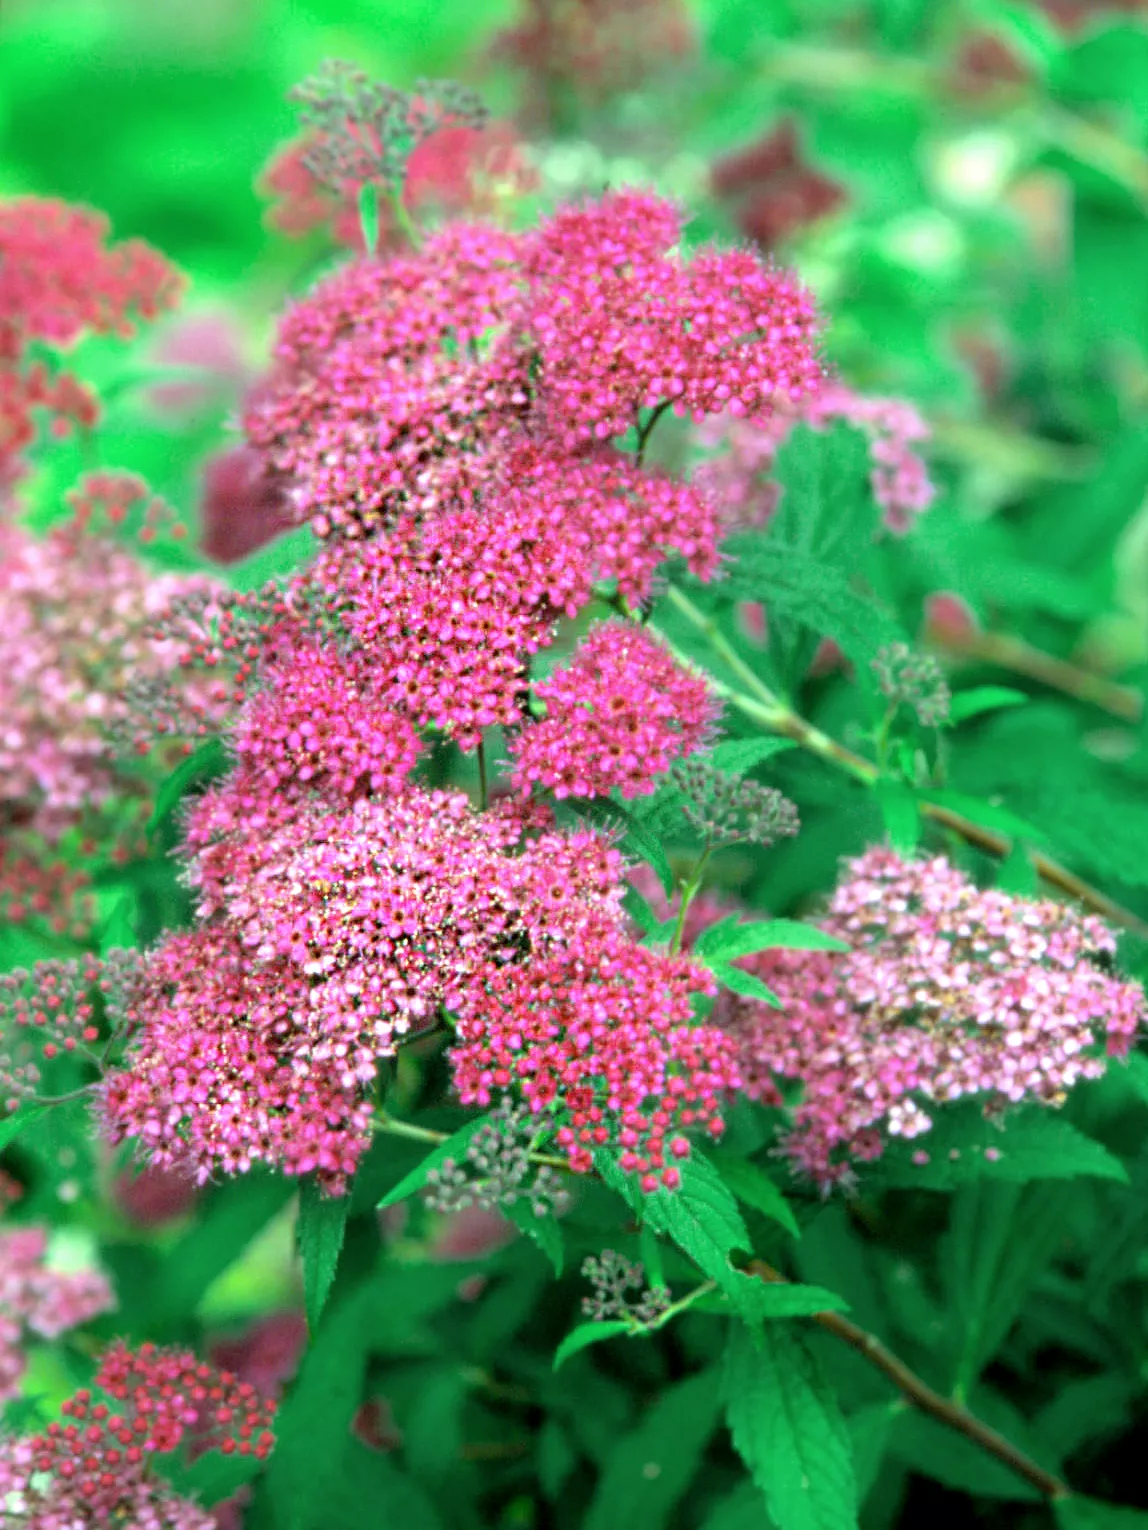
(497, 1170)
(95, 1468)
(35, 1298)
(410, 385)
(914, 680)
(617, 716)
(948, 991)
(621, 1290)
(739, 479)
(78, 609)
(771, 189)
(55, 1011)
(59, 280)
(727, 810)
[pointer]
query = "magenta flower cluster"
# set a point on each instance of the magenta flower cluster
(948, 991)
(37, 1299)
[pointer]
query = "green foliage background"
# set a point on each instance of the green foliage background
(1018, 218)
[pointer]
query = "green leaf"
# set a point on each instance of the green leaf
(210, 1478)
(652, 1466)
(786, 1426)
(453, 1148)
(762, 1300)
(928, 1447)
(636, 837)
(826, 504)
(984, 698)
(742, 1510)
(1077, 1513)
(737, 755)
(754, 1188)
(119, 931)
(203, 765)
(11, 1126)
(545, 1231)
(320, 1230)
(1033, 1143)
(702, 1218)
(644, 917)
(274, 560)
(900, 814)
(726, 945)
(369, 216)
(744, 983)
(586, 1334)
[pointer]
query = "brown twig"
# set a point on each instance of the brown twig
(923, 1397)
(1122, 701)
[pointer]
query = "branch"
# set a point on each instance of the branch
(923, 1397)
(1122, 701)
(764, 707)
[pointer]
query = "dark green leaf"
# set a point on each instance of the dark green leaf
(203, 765)
(1077, 1513)
(545, 1231)
(453, 1148)
(651, 1468)
(899, 813)
(754, 1188)
(586, 1334)
(737, 755)
(320, 1230)
(787, 1428)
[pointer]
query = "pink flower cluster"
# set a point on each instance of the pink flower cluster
(34, 1298)
(738, 478)
(948, 991)
(95, 1467)
(59, 280)
(406, 385)
(617, 716)
(457, 170)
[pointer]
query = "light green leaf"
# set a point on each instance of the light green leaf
(586, 1334)
(369, 216)
(786, 1426)
(724, 944)
(320, 1230)
(12, 1125)
(744, 983)
(899, 813)
(984, 698)
(636, 837)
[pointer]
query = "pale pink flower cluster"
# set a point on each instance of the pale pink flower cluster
(738, 478)
(617, 716)
(948, 991)
(37, 1299)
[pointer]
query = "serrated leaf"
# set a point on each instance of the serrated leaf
(544, 1231)
(453, 1148)
(1032, 1143)
(652, 1466)
(737, 755)
(744, 983)
(764, 1300)
(786, 1426)
(722, 943)
(635, 837)
(586, 1334)
(203, 765)
(320, 1230)
(983, 698)
(809, 593)
(753, 1187)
